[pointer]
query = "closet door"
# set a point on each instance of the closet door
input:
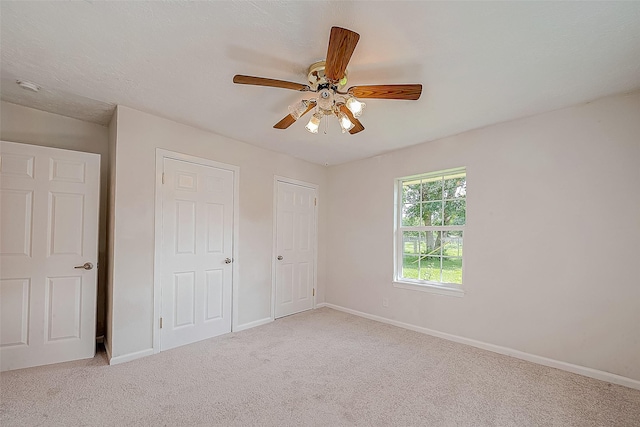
(295, 248)
(197, 202)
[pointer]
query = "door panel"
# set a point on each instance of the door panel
(16, 222)
(48, 226)
(66, 213)
(197, 227)
(185, 299)
(295, 243)
(63, 304)
(214, 294)
(14, 312)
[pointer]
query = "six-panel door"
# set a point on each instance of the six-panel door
(197, 251)
(295, 248)
(48, 226)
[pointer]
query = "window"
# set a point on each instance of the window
(431, 215)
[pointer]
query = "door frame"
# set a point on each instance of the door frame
(162, 154)
(314, 187)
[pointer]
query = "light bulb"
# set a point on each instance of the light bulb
(355, 106)
(314, 123)
(298, 108)
(345, 123)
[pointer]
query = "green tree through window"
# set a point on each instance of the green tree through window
(431, 224)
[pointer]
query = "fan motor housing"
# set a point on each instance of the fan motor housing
(317, 78)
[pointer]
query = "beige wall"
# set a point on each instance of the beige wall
(550, 246)
(29, 126)
(552, 240)
(138, 136)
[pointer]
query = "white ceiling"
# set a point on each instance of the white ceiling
(479, 62)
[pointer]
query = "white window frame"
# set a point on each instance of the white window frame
(441, 288)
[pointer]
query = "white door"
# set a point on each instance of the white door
(197, 249)
(48, 228)
(295, 248)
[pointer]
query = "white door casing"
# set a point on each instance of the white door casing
(196, 252)
(295, 246)
(49, 206)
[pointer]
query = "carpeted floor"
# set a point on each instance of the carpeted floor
(323, 368)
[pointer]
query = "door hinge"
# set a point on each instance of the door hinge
(161, 323)
(163, 177)
(315, 202)
(314, 292)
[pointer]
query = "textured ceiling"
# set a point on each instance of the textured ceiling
(479, 62)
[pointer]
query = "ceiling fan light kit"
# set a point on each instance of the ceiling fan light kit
(355, 106)
(327, 79)
(345, 123)
(314, 123)
(298, 109)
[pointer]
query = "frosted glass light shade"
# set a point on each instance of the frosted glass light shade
(296, 110)
(314, 123)
(345, 123)
(355, 106)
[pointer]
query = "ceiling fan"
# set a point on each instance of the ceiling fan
(326, 80)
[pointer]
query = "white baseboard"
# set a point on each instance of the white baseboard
(576, 369)
(253, 324)
(148, 352)
(129, 357)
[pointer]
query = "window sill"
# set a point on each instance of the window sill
(431, 288)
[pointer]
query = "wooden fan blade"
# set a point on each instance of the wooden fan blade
(342, 43)
(285, 123)
(261, 81)
(410, 92)
(288, 120)
(357, 126)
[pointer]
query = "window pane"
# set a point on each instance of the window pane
(432, 213)
(455, 212)
(410, 192)
(435, 202)
(432, 189)
(455, 186)
(411, 215)
(452, 270)
(430, 268)
(410, 266)
(432, 243)
(452, 243)
(411, 242)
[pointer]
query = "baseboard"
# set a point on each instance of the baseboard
(129, 357)
(253, 324)
(576, 369)
(148, 352)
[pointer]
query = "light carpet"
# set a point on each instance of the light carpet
(320, 368)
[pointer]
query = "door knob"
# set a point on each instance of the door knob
(227, 260)
(279, 257)
(86, 266)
